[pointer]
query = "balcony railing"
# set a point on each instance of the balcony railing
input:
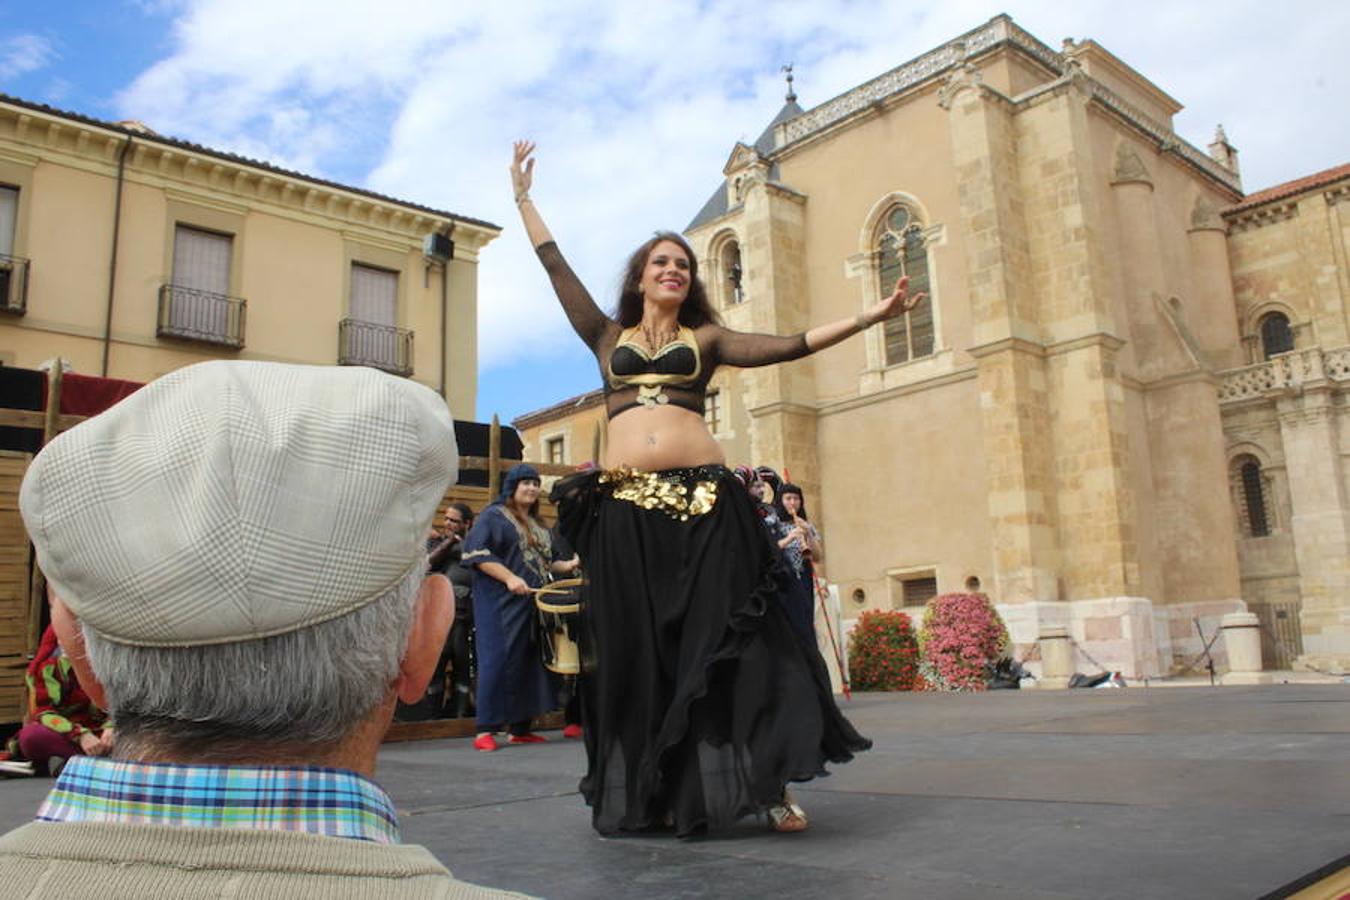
(1288, 371)
(380, 346)
(13, 285)
(190, 314)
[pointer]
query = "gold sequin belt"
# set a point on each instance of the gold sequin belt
(679, 493)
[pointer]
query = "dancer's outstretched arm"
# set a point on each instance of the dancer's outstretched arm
(588, 321)
(898, 303)
(738, 348)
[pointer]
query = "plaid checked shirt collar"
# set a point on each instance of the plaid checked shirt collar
(332, 802)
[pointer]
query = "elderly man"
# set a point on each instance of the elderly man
(236, 567)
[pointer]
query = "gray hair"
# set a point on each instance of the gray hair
(303, 688)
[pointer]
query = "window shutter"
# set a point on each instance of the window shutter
(201, 260)
(9, 216)
(374, 297)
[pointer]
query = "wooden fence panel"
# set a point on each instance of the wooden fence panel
(15, 578)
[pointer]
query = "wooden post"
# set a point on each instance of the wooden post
(37, 583)
(53, 412)
(494, 459)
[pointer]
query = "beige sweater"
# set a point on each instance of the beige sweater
(122, 862)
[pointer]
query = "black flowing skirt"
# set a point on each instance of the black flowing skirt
(699, 701)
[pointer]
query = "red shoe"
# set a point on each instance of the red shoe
(485, 743)
(530, 738)
(572, 732)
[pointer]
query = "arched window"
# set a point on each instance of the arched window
(1252, 495)
(902, 250)
(730, 259)
(1276, 335)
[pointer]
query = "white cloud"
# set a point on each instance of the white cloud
(23, 53)
(635, 107)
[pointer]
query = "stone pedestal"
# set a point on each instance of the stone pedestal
(1242, 639)
(1056, 658)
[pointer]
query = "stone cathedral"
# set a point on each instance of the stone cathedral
(1122, 408)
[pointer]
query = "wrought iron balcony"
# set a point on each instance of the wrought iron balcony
(379, 346)
(13, 285)
(190, 314)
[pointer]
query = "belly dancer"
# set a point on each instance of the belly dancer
(702, 705)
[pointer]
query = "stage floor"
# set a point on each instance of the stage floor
(1134, 793)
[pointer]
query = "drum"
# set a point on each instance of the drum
(559, 606)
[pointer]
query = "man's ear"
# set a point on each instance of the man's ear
(71, 637)
(433, 613)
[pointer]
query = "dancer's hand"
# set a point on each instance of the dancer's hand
(522, 169)
(898, 303)
(516, 585)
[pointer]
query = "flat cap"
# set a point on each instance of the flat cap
(229, 500)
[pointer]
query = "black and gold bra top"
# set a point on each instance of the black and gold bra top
(676, 374)
(676, 367)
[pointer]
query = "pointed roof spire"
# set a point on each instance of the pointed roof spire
(791, 94)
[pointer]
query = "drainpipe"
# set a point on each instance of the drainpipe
(445, 317)
(112, 266)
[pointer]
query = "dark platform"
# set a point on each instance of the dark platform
(1135, 793)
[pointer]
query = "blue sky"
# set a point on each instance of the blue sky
(634, 108)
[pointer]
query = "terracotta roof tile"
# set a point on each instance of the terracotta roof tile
(559, 409)
(1290, 188)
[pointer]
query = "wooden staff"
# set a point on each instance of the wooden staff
(822, 594)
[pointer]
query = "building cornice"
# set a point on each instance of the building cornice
(93, 145)
(1097, 339)
(833, 407)
(786, 407)
(934, 67)
(1261, 216)
(1007, 344)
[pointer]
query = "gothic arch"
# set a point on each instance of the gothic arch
(884, 204)
(1256, 496)
(724, 281)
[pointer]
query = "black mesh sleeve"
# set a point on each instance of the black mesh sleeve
(739, 348)
(587, 319)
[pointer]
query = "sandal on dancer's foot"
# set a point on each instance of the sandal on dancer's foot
(787, 817)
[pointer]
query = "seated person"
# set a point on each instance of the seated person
(61, 721)
(236, 569)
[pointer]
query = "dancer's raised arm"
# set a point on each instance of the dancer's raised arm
(588, 321)
(522, 177)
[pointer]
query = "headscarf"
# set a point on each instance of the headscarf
(769, 477)
(745, 475)
(519, 472)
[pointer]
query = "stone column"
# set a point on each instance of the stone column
(1019, 464)
(778, 398)
(1216, 324)
(1320, 525)
(1187, 514)
(1066, 211)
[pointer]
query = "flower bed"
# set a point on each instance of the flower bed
(961, 635)
(883, 653)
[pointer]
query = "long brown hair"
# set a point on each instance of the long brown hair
(696, 310)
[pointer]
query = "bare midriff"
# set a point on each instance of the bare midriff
(661, 437)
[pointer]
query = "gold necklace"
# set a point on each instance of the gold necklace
(658, 339)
